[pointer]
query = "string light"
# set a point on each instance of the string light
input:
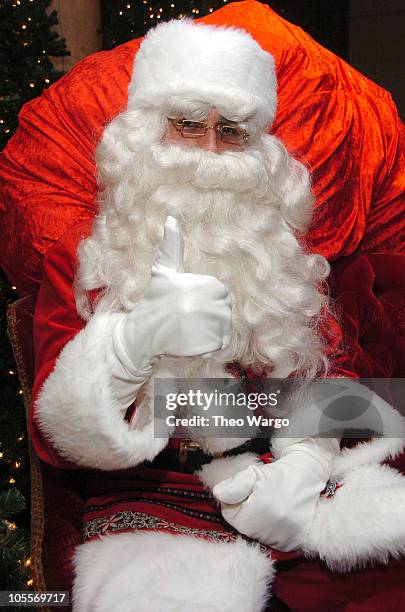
(12, 452)
(10, 526)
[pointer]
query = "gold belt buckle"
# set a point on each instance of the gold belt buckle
(184, 448)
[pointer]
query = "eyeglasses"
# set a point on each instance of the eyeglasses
(229, 134)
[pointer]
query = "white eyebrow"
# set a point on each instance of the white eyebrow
(223, 119)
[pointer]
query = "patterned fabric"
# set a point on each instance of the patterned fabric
(129, 521)
(145, 498)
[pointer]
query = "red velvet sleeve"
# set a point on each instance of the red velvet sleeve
(56, 322)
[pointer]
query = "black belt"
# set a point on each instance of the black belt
(190, 457)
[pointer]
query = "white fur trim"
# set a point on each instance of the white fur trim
(168, 573)
(375, 451)
(220, 469)
(308, 415)
(364, 523)
(221, 66)
(78, 412)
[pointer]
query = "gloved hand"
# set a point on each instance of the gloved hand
(180, 314)
(275, 503)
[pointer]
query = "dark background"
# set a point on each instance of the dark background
(369, 34)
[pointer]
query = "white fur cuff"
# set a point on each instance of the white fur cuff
(78, 412)
(363, 523)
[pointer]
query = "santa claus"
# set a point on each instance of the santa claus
(195, 266)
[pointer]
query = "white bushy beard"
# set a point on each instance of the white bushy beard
(237, 211)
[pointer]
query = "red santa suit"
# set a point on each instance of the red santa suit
(149, 499)
(56, 323)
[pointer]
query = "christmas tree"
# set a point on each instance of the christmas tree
(14, 543)
(26, 43)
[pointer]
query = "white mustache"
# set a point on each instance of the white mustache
(238, 171)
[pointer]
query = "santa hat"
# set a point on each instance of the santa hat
(222, 66)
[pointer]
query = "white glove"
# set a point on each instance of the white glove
(180, 314)
(275, 503)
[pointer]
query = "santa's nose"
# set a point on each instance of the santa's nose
(210, 140)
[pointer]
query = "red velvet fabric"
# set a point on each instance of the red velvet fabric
(63, 512)
(56, 322)
(309, 587)
(344, 127)
(371, 302)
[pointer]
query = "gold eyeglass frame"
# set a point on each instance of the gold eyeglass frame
(179, 124)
